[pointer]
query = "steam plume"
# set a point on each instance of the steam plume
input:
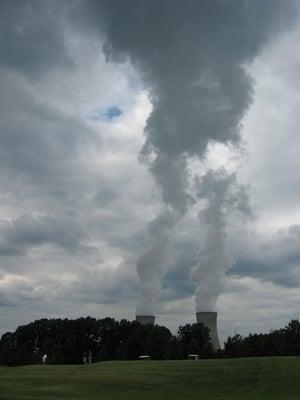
(223, 196)
(192, 57)
(153, 262)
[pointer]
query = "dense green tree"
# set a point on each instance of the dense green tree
(281, 342)
(174, 349)
(8, 349)
(292, 335)
(156, 341)
(234, 346)
(134, 347)
(194, 339)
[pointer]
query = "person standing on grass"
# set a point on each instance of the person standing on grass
(90, 357)
(44, 359)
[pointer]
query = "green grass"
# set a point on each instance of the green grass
(236, 379)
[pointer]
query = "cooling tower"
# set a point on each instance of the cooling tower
(209, 319)
(145, 319)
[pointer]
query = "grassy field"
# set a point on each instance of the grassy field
(242, 379)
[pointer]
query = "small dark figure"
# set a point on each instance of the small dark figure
(90, 357)
(84, 358)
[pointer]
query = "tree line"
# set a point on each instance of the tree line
(65, 341)
(281, 342)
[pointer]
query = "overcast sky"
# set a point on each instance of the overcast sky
(76, 196)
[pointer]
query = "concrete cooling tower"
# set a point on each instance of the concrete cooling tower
(145, 319)
(209, 319)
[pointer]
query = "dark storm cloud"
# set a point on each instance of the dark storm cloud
(31, 36)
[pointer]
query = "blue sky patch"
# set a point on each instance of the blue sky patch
(107, 114)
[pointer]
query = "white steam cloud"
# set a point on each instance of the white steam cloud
(223, 196)
(193, 58)
(158, 256)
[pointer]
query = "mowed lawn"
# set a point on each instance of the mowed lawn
(242, 379)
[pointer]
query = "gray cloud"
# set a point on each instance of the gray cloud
(275, 259)
(31, 36)
(29, 231)
(177, 284)
(75, 202)
(38, 143)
